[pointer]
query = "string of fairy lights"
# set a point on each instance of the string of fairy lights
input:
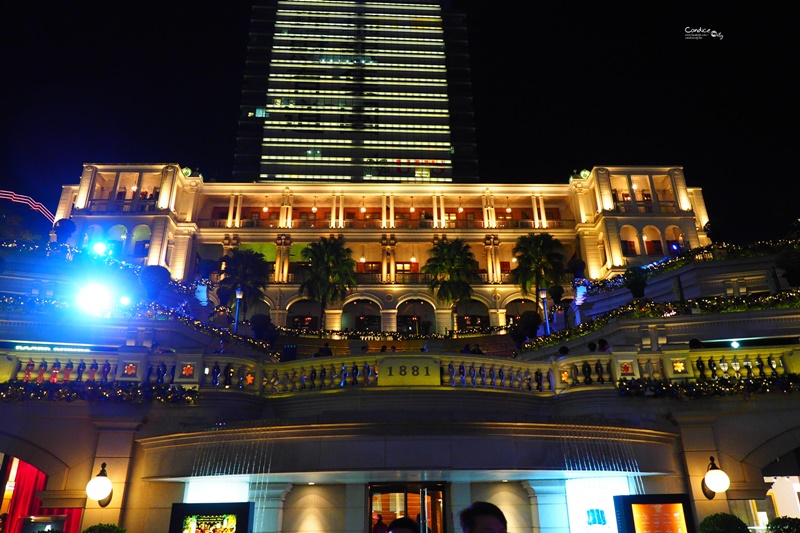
(649, 387)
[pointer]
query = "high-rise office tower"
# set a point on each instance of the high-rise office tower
(356, 91)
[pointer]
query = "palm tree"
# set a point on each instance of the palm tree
(330, 272)
(452, 267)
(540, 263)
(245, 269)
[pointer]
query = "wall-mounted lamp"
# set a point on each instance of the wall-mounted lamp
(543, 297)
(100, 488)
(314, 208)
(715, 480)
(239, 295)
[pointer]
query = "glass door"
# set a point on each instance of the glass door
(422, 502)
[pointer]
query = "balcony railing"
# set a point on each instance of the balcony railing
(646, 207)
(122, 206)
(252, 374)
(399, 224)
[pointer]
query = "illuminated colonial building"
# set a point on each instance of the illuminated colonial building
(611, 217)
(357, 122)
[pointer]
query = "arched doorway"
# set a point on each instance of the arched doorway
(303, 314)
(361, 315)
(415, 316)
(472, 315)
(515, 308)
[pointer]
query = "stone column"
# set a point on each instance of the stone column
(489, 251)
(548, 500)
(391, 211)
(392, 263)
(604, 189)
(460, 498)
(497, 317)
(333, 319)
(158, 242)
(333, 210)
(355, 507)
(286, 250)
(543, 215)
(114, 447)
(699, 443)
(498, 276)
(289, 209)
(485, 204)
(388, 319)
(384, 264)
(278, 261)
(166, 196)
(341, 210)
(443, 215)
(238, 221)
(614, 244)
(84, 191)
(444, 320)
(535, 211)
(231, 205)
(269, 498)
(179, 258)
(681, 192)
(654, 195)
(279, 317)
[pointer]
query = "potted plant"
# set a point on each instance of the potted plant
(784, 524)
(723, 523)
(635, 279)
(104, 528)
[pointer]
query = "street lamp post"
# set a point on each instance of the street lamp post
(543, 296)
(239, 295)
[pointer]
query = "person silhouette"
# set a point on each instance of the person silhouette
(379, 526)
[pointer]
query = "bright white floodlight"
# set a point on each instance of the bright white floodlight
(94, 299)
(99, 248)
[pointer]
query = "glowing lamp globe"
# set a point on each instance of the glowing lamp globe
(99, 488)
(717, 480)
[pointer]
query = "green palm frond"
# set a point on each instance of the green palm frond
(540, 262)
(452, 267)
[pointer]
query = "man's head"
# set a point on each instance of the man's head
(483, 517)
(403, 525)
(379, 518)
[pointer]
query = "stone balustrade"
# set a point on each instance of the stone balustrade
(560, 374)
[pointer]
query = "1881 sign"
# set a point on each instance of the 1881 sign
(408, 371)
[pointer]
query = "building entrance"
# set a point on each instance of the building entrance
(422, 502)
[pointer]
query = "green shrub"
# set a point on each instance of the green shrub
(723, 523)
(104, 528)
(784, 524)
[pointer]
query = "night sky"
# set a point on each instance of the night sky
(557, 88)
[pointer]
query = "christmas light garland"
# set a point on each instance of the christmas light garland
(116, 392)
